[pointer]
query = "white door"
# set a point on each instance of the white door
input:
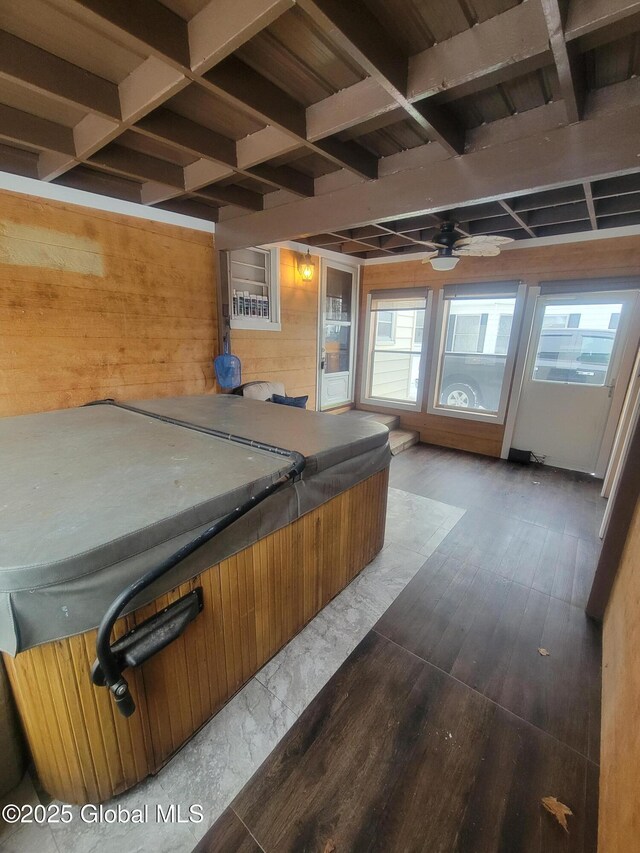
(338, 306)
(570, 375)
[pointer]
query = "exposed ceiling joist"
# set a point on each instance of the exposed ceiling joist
(464, 63)
(565, 155)
(188, 136)
(43, 72)
(238, 196)
(568, 62)
(363, 37)
(516, 217)
(223, 26)
(588, 194)
(231, 80)
(586, 16)
(82, 178)
(147, 23)
(18, 126)
(128, 163)
(190, 207)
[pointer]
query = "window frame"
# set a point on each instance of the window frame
(272, 284)
(484, 291)
(367, 361)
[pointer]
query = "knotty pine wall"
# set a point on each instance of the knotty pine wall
(96, 304)
(290, 355)
(590, 260)
(619, 821)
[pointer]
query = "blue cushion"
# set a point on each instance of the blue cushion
(298, 402)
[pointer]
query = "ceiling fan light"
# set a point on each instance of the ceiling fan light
(443, 263)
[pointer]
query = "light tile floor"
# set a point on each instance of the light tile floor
(213, 767)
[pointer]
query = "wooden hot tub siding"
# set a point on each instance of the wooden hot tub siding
(254, 603)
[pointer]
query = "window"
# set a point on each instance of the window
(253, 288)
(505, 321)
(385, 329)
(576, 354)
(466, 333)
(476, 350)
(394, 354)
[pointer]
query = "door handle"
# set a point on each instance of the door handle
(322, 363)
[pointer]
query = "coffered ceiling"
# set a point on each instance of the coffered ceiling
(357, 126)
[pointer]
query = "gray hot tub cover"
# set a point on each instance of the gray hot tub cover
(95, 496)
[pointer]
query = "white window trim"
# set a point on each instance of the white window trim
(436, 363)
(382, 402)
(262, 325)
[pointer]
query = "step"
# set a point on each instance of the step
(390, 421)
(401, 439)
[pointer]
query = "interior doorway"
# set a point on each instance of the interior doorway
(338, 309)
(574, 364)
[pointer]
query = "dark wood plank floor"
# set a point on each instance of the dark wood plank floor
(445, 727)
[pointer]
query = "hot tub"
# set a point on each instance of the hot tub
(95, 497)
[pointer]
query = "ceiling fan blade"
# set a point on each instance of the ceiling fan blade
(429, 256)
(496, 239)
(477, 250)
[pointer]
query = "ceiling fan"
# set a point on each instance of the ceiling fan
(449, 248)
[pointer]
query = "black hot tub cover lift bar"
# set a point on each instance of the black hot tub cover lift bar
(157, 632)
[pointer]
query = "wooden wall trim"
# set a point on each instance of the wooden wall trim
(613, 544)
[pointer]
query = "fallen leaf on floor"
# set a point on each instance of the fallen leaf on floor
(329, 847)
(544, 652)
(558, 810)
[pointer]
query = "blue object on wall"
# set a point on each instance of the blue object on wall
(227, 367)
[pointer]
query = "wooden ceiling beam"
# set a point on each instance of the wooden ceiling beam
(18, 162)
(588, 194)
(88, 180)
(622, 204)
(564, 156)
(149, 23)
(45, 73)
(588, 16)
(617, 186)
(265, 144)
(569, 64)
(238, 196)
(492, 51)
(223, 26)
(362, 36)
(24, 128)
(285, 178)
(238, 84)
(188, 136)
(516, 217)
(189, 207)
(129, 163)
(180, 53)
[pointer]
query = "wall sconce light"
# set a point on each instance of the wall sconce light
(306, 267)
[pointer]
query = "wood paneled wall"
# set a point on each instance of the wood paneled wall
(290, 355)
(97, 304)
(619, 822)
(590, 260)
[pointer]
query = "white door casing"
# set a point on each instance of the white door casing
(338, 309)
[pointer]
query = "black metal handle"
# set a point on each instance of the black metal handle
(111, 667)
